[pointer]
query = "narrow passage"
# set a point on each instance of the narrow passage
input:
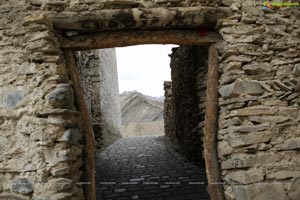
(146, 168)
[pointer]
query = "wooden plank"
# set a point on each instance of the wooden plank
(215, 187)
(86, 126)
(140, 18)
(128, 38)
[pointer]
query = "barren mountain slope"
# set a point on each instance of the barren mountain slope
(141, 115)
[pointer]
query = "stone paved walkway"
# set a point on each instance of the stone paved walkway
(145, 168)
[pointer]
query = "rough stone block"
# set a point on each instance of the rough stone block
(241, 58)
(290, 144)
(261, 191)
(24, 68)
(230, 122)
(257, 68)
(242, 160)
(37, 19)
(246, 177)
(296, 70)
(55, 156)
(45, 35)
(224, 148)
(232, 66)
(294, 190)
(248, 139)
(283, 174)
(271, 119)
(240, 87)
(11, 97)
(61, 97)
(72, 136)
(36, 27)
(252, 128)
(227, 2)
(252, 111)
(9, 196)
(60, 184)
(238, 161)
(60, 170)
(22, 186)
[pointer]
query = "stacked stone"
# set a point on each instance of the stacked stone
(259, 137)
(188, 69)
(201, 55)
(98, 76)
(89, 70)
(40, 140)
(168, 111)
(109, 97)
(40, 137)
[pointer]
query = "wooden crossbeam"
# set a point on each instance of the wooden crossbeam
(129, 38)
(140, 18)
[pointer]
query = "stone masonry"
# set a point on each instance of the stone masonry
(41, 135)
(168, 112)
(186, 101)
(258, 137)
(98, 71)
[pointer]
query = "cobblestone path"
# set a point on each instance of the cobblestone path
(145, 168)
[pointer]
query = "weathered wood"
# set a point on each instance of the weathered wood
(140, 18)
(128, 38)
(215, 187)
(86, 126)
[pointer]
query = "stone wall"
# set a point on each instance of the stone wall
(40, 137)
(168, 111)
(259, 102)
(40, 127)
(188, 71)
(109, 95)
(258, 131)
(99, 78)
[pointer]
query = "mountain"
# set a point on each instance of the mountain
(141, 114)
(160, 99)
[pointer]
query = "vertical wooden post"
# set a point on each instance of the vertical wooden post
(215, 188)
(86, 125)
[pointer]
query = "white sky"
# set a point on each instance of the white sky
(144, 68)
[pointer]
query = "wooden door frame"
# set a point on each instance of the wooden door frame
(120, 38)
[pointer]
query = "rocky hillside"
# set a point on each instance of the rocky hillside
(141, 115)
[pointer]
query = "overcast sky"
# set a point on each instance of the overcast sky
(144, 68)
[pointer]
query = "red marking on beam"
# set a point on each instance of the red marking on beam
(202, 32)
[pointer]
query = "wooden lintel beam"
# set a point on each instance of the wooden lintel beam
(140, 18)
(215, 187)
(129, 38)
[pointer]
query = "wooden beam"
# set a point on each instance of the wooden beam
(128, 38)
(215, 188)
(86, 126)
(140, 18)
